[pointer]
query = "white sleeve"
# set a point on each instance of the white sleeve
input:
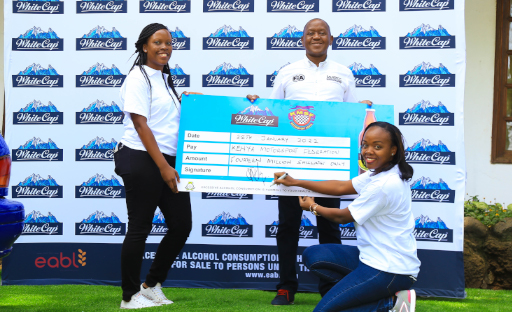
(278, 89)
(360, 181)
(135, 96)
(350, 94)
(369, 203)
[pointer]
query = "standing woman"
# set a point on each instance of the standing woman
(145, 159)
(378, 273)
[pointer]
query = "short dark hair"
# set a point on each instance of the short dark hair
(315, 19)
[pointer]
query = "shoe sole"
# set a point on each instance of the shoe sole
(413, 300)
(283, 304)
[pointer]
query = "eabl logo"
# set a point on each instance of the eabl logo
(348, 231)
(427, 230)
(367, 77)
(38, 7)
(158, 227)
(226, 38)
(100, 187)
(425, 114)
(426, 5)
(426, 75)
(179, 40)
(98, 149)
(240, 6)
(271, 78)
(426, 37)
(35, 39)
(288, 38)
(358, 38)
(100, 76)
(62, 262)
(306, 230)
(37, 76)
(38, 224)
(255, 116)
(426, 152)
(36, 149)
(225, 75)
(99, 224)
(225, 225)
(100, 39)
(34, 186)
(164, 6)
(359, 5)
(99, 113)
(37, 113)
(428, 191)
(293, 6)
(225, 196)
(179, 78)
(101, 6)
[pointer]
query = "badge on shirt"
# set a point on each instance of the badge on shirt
(335, 79)
(298, 78)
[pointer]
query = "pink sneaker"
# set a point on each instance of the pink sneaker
(405, 301)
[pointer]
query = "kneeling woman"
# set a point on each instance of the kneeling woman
(378, 273)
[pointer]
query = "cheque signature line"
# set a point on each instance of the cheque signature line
(254, 174)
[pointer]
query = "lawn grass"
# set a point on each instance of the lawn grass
(107, 298)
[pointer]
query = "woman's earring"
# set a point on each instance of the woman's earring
(392, 154)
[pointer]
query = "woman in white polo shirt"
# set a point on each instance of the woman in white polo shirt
(145, 159)
(378, 273)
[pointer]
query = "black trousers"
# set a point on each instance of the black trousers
(290, 214)
(145, 190)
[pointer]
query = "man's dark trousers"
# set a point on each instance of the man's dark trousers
(290, 215)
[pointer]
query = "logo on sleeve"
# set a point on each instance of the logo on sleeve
(100, 39)
(227, 38)
(426, 152)
(426, 37)
(428, 230)
(293, 6)
(427, 191)
(288, 38)
(225, 225)
(164, 6)
(35, 39)
(426, 5)
(38, 7)
(424, 113)
(101, 6)
(307, 230)
(158, 227)
(98, 75)
(226, 75)
(100, 187)
(38, 224)
(98, 149)
(358, 5)
(179, 40)
(34, 186)
(367, 77)
(100, 113)
(36, 76)
(358, 38)
(98, 223)
(301, 118)
(271, 78)
(228, 6)
(426, 75)
(36, 149)
(37, 113)
(255, 116)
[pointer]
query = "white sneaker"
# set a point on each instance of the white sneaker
(405, 301)
(155, 294)
(138, 301)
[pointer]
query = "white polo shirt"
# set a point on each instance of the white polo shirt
(162, 113)
(304, 81)
(384, 222)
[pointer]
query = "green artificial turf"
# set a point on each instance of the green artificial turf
(107, 298)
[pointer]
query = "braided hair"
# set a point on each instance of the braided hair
(142, 57)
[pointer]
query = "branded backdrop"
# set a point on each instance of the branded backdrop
(64, 64)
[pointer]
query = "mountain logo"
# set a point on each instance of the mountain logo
(100, 39)
(179, 78)
(37, 113)
(306, 230)
(179, 40)
(424, 113)
(37, 76)
(426, 75)
(34, 186)
(427, 230)
(293, 6)
(301, 118)
(426, 37)
(35, 39)
(428, 191)
(98, 149)
(164, 6)
(227, 38)
(100, 113)
(358, 38)
(359, 5)
(348, 231)
(100, 187)
(101, 6)
(36, 149)
(367, 77)
(98, 75)
(159, 227)
(38, 224)
(426, 152)
(225, 196)
(255, 116)
(98, 223)
(271, 78)
(225, 225)
(38, 7)
(426, 5)
(288, 38)
(226, 75)
(228, 6)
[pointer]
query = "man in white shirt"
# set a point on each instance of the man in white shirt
(314, 78)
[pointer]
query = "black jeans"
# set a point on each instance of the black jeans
(290, 214)
(145, 190)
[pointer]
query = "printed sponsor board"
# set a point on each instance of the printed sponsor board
(38, 7)
(426, 5)
(358, 5)
(293, 6)
(84, 7)
(173, 6)
(228, 6)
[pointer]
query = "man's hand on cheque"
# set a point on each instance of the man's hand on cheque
(252, 97)
(366, 102)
